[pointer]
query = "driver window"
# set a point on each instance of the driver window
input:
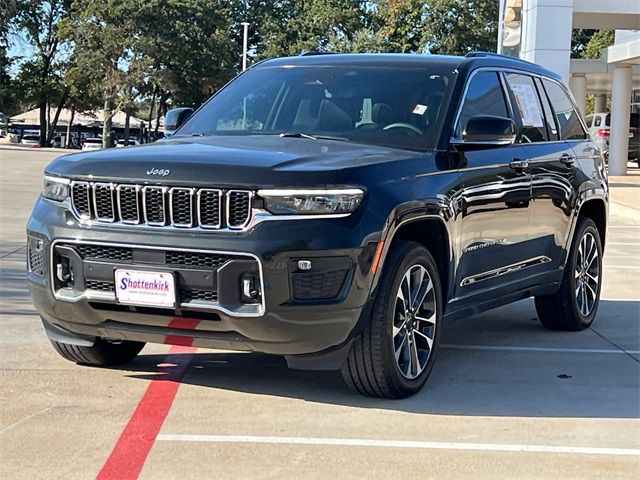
(484, 97)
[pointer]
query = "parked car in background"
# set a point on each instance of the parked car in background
(92, 144)
(599, 125)
(122, 143)
(30, 140)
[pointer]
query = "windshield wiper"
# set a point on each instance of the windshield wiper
(311, 137)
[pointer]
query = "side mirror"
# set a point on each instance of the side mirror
(173, 119)
(487, 130)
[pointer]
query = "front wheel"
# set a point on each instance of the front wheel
(395, 353)
(102, 353)
(575, 304)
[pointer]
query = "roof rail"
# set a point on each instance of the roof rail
(496, 55)
(313, 52)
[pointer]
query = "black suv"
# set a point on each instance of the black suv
(334, 209)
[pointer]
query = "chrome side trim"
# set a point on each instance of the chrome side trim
(309, 191)
(498, 272)
(69, 296)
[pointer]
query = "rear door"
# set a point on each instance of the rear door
(493, 203)
(552, 164)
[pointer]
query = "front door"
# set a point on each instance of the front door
(492, 205)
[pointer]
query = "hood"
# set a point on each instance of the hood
(228, 161)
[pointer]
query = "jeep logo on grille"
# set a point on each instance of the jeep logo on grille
(163, 172)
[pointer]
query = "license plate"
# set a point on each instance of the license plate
(155, 289)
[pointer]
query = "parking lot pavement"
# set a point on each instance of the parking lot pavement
(507, 399)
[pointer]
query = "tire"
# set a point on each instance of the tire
(573, 307)
(102, 354)
(371, 367)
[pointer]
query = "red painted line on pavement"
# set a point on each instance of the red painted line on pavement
(139, 435)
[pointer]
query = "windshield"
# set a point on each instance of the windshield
(398, 107)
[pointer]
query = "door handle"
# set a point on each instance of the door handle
(567, 158)
(518, 164)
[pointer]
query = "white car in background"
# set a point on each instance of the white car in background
(599, 125)
(32, 140)
(132, 141)
(92, 144)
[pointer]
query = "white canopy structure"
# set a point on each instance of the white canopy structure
(95, 118)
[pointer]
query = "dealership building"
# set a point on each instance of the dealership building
(540, 31)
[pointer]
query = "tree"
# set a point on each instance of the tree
(456, 27)
(104, 34)
(38, 21)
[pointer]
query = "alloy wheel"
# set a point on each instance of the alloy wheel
(414, 321)
(587, 274)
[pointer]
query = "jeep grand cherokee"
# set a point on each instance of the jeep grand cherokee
(334, 209)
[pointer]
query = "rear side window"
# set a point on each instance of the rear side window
(552, 129)
(597, 122)
(529, 107)
(566, 115)
(589, 121)
(484, 97)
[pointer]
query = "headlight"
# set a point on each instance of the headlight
(311, 202)
(55, 188)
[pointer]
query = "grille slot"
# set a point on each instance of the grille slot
(238, 208)
(80, 199)
(103, 202)
(194, 259)
(209, 207)
(154, 205)
(181, 202)
(318, 286)
(188, 296)
(99, 286)
(129, 203)
(105, 253)
(160, 206)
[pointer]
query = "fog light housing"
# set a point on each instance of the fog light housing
(35, 256)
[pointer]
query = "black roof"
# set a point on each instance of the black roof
(470, 61)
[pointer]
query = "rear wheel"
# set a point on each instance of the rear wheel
(575, 304)
(395, 353)
(103, 353)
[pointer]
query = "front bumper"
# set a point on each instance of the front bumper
(280, 320)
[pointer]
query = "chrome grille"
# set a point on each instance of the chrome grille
(129, 203)
(81, 199)
(155, 210)
(238, 208)
(103, 202)
(160, 206)
(181, 202)
(209, 208)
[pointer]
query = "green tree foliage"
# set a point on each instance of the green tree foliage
(455, 27)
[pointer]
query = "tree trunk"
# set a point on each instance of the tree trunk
(106, 127)
(162, 103)
(127, 118)
(42, 105)
(151, 105)
(56, 117)
(67, 143)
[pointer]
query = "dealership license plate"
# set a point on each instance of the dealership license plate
(155, 289)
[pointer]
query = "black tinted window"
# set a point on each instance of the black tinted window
(589, 121)
(597, 122)
(528, 104)
(484, 97)
(397, 107)
(550, 121)
(566, 115)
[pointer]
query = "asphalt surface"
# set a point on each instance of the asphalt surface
(507, 399)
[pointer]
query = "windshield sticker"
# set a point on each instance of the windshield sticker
(528, 105)
(420, 109)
